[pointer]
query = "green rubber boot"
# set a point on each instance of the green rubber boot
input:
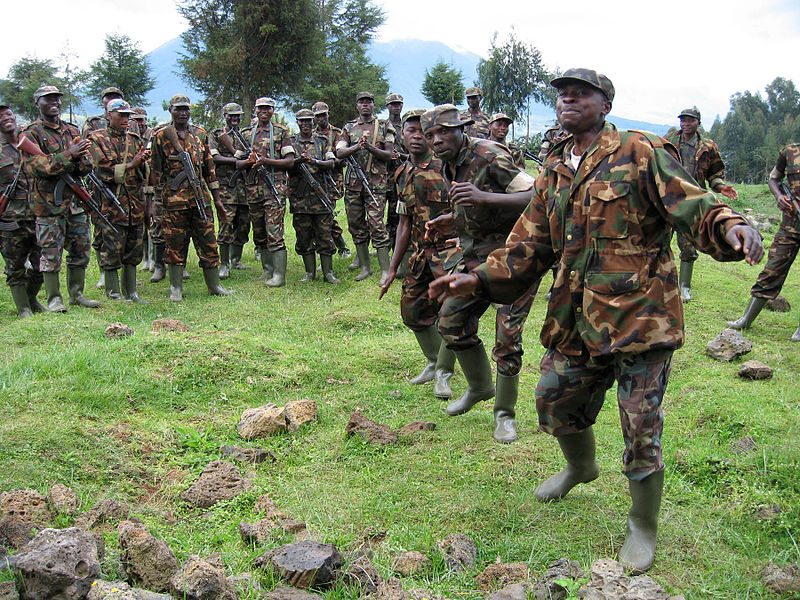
(445, 362)
(478, 373)
(795, 336)
(129, 284)
(362, 254)
(33, 291)
(211, 277)
(112, 284)
(355, 265)
(278, 278)
(505, 424)
(639, 549)
(76, 279)
(101, 283)
(579, 451)
(20, 296)
(327, 269)
(429, 341)
(383, 261)
(236, 258)
(159, 268)
(310, 263)
(175, 282)
(55, 303)
(224, 261)
(685, 280)
(750, 313)
(266, 264)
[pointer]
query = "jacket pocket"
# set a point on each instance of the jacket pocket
(608, 209)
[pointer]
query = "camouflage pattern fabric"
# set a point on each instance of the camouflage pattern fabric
(94, 123)
(257, 209)
(313, 233)
(688, 253)
(122, 248)
(17, 208)
(706, 164)
(788, 166)
(331, 135)
(517, 155)
(365, 217)
(227, 194)
(302, 198)
(54, 234)
(274, 214)
(17, 247)
(156, 233)
(478, 129)
(779, 260)
(571, 391)
(551, 137)
(179, 226)
(237, 228)
(375, 169)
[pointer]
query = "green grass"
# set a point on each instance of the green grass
(138, 418)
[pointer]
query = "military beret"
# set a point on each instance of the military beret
(589, 77)
(304, 113)
(473, 91)
(690, 112)
(111, 90)
(393, 98)
(320, 108)
(265, 101)
(446, 115)
(46, 90)
(179, 100)
(231, 108)
(139, 110)
(119, 105)
(361, 95)
(412, 114)
(498, 116)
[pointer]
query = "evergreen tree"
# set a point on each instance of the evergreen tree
(24, 77)
(124, 66)
(443, 84)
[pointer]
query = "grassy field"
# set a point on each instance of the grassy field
(138, 418)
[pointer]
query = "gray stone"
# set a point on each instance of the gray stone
(362, 573)
(729, 344)
(262, 421)
(290, 593)
(513, 591)
(25, 506)
(546, 588)
(459, 551)
(169, 325)
(375, 433)
(117, 329)
(499, 574)
(8, 591)
(63, 500)
(416, 427)
(391, 589)
(755, 369)
(220, 480)
(58, 564)
(779, 304)
(768, 512)
(304, 564)
(259, 532)
(245, 584)
(148, 562)
(104, 511)
(609, 582)
(111, 590)
(15, 533)
(411, 563)
(248, 455)
(300, 412)
(743, 445)
(148, 595)
(200, 579)
(782, 580)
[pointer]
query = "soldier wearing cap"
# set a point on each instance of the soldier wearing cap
(614, 311)
(60, 220)
(182, 219)
(498, 131)
(701, 158)
(370, 141)
(550, 138)
(488, 192)
(139, 117)
(311, 217)
(479, 120)
(119, 156)
(272, 146)
(422, 193)
(394, 104)
(17, 222)
(229, 156)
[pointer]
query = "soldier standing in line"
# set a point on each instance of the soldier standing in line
(183, 219)
(394, 104)
(479, 126)
(422, 196)
(498, 131)
(119, 156)
(312, 218)
(60, 220)
(488, 193)
(700, 157)
(371, 140)
(603, 209)
(139, 117)
(786, 242)
(17, 223)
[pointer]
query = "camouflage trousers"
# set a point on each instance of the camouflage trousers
(237, 227)
(779, 260)
(67, 230)
(17, 247)
(416, 308)
(181, 225)
(154, 228)
(313, 232)
(688, 253)
(97, 232)
(365, 219)
(274, 214)
(122, 248)
(571, 391)
(256, 210)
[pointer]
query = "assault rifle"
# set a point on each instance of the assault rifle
(261, 170)
(352, 163)
(188, 173)
(793, 199)
(106, 191)
(530, 155)
(332, 184)
(318, 189)
(9, 192)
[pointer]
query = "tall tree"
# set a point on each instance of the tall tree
(23, 78)
(443, 83)
(124, 66)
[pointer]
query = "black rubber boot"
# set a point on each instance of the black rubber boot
(327, 269)
(445, 362)
(224, 261)
(159, 269)
(55, 303)
(639, 549)
(112, 284)
(33, 291)
(579, 451)
(478, 373)
(278, 278)
(175, 282)
(101, 283)
(362, 255)
(750, 313)
(185, 273)
(266, 264)
(310, 263)
(211, 277)
(129, 284)
(685, 280)
(356, 264)
(148, 261)
(20, 296)
(236, 258)
(429, 341)
(505, 424)
(76, 280)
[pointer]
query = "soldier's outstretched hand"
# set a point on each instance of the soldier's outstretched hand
(728, 191)
(390, 277)
(457, 284)
(748, 240)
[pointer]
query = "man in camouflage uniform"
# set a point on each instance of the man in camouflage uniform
(551, 137)
(229, 155)
(182, 217)
(394, 104)
(370, 141)
(604, 208)
(119, 156)
(139, 117)
(17, 223)
(498, 131)
(272, 146)
(479, 126)
(488, 192)
(786, 243)
(700, 157)
(422, 196)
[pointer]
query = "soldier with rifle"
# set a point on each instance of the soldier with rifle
(184, 176)
(479, 120)
(498, 131)
(394, 104)
(139, 117)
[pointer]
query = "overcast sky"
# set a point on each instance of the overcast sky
(661, 57)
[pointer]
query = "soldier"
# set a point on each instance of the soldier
(272, 147)
(333, 184)
(119, 156)
(550, 138)
(183, 218)
(614, 311)
(786, 243)
(229, 154)
(139, 117)
(394, 104)
(700, 157)
(488, 192)
(370, 141)
(312, 215)
(60, 220)
(479, 127)
(498, 131)
(422, 193)
(17, 223)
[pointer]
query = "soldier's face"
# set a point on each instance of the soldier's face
(474, 102)
(395, 108)
(8, 122)
(264, 113)
(365, 107)
(499, 129)
(689, 126)
(305, 126)
(141, 123)
(49, 105)
(581, 108)
(233, 120)
(445, 141)
(180, 114)
(413, 139)
(321, 120)
(119, 121)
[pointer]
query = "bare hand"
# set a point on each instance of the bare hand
(466, 194)
(786, 205)
(746, 239)
(77, 149)
(441, 225)
(457, 284)
(221, 215)
(728, 191)
(390, 277)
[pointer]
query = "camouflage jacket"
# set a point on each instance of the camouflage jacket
(489, 167)
(707, 162)
(788, 165)
(608, 227)
(166, 166)
(517, 155)
(111, 150)
(272, 141)
(332, 135)
(551, 137)
(377, 132)
(93, 124)
(302, 197)
(17, 208)
(44, 170)
(225, 172)
(480, 128)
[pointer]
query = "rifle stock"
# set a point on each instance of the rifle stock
(261, 171)
(362, 177)
(793, 199)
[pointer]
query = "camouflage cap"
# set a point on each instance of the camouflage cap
(111, 90)
(304, 113)
(320, 108)
(498, 116)
(412, 114)
(231, 108)
(690, 112)
(46, 90)
(179, 100)
(473, 91)
(393, 98)
(361, 95)
(139, 110)
(589, 77)
(265, 101)
(445, 115)
(119, 105)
